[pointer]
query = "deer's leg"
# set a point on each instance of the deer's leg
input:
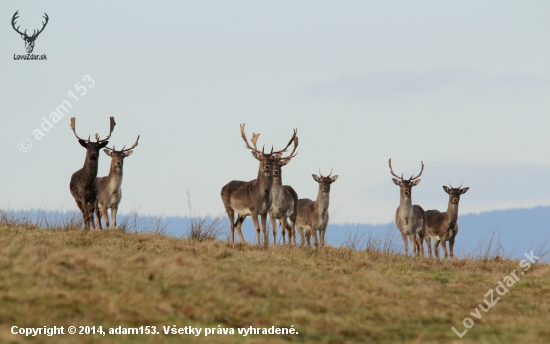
(274, 228)
(414, 244)
(451, 246)
(257, 226)
(283, 229)
(444, 244)
(308, 237)
(98, 215)
(314, 234)
(114, 210)
(231, 215)
(105, 214)
(264, 229)
(302, 236)
(429, 244)
(436, 247)
(405, 243)
(240, 220)
(420, 243)
(90, 214)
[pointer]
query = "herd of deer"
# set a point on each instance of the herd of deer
(267, 195)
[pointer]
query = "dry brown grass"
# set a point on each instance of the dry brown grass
(333, 295)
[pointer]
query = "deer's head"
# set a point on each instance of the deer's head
(324, 182)
(92, 148)
(406, 185)
(454, 193)
(267, 159)
(29, 40)
(117, 156)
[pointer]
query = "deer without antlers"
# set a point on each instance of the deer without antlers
(443, 227)
(110, 192)
(83, 184)
(253, 197)
(410, 219)
(284, 199)
(313, 215)
(29, 40)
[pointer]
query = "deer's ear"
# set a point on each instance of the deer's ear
(315, 177)
(103, 144)
(257, 155)
(108, 152)
(395, 181)
(83, 143)
(283, 162)
(446, 189)
(416, 182)
(334, 178)
(128, 153)
(463, 191)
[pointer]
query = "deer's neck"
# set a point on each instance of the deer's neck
(90, 169)
(452, 211)
(264, 183)
(321, 203)
(277, 187)
(405, 207)
(115, 174)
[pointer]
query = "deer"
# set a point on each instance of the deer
(284, 199)
(443, 226)
(313, 215)
(29, 40)
(83, 183)
(254, 197)
(109, 191)
(410, 219)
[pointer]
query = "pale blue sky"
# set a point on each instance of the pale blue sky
(462, 85)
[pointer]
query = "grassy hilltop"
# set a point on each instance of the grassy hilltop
(334, 295)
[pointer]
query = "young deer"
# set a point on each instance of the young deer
(110, 193)
(83, 184)
(284, 199)
(410, 219)
(253, 197)
(313, 215)
(443, 227)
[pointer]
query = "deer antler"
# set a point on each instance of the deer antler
(45, 16)
(254, 140)
(96, 135)
(13, 19)
(330, 172)
(113, 123)
(292, 139)
(74, 131)
(134, 146)
(413, 178)
(391, 171)
(320, 174)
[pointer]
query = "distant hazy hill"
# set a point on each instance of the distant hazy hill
(517, 230)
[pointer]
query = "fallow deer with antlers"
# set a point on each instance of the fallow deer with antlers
(443, 227)
(254, 197)
(410, 219)
(110, 192)
(284, 199)
(83, 184)
(313, 215)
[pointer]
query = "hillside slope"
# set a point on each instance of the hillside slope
(112, 279)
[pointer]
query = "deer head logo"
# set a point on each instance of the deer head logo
(29, 40)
